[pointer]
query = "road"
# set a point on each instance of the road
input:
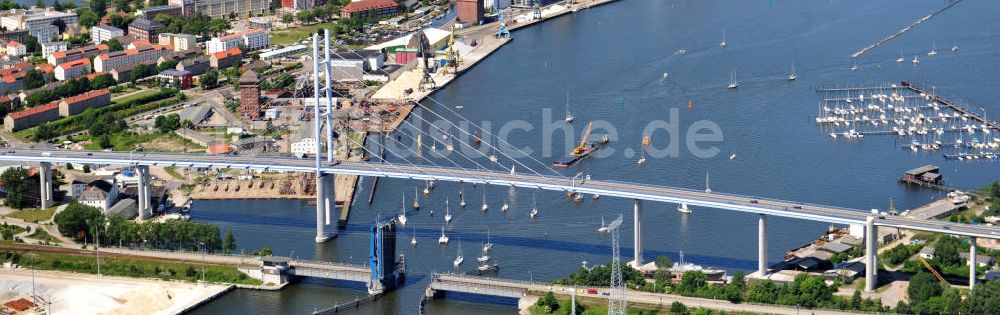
(635, 191)
(651, 299)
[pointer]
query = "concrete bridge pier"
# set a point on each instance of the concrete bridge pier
(871, 242)
(324, 201)
(143, 192)
(45, 181)
(972, 263)
(762, 245)
(638, 234)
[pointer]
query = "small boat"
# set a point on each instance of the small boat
(413, 240)
(595, 196)
(954, 48)
(854, 66)
(690, 104)
(680, 52)
(489, 241)
(665, 75)
(915, 60)
(434, 145)
(447, 212)
(708, 189)
(443, 240)
(459, 259)
(430, 184)
(605, 139)
(504, 207)
(534, 205)
(475, 137)
(603, 228)
(933, 51)
(901, 59)
(577, 197)
(402, 217)
(493, 151)
(732, 81)
(722, 44)
(485, 206)
(569, 117)
(792, 76)
(427, 188)
(683, 208)
(642, 160)
(449, 147)
(645, 144)
(732, 157)
(416, 197)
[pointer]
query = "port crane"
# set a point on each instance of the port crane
(583, 148)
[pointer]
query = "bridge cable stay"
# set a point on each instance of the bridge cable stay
(489, 145)
(458, 151)
(426, 133)
(491, 135)
(441, 155)
(371, 153)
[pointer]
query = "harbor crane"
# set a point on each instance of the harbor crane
(583, 148)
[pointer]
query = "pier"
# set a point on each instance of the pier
(861, 52)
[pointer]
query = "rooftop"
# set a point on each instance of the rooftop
(35, 110)
(365, 5)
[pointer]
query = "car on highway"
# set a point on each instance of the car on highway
(46, 153)
(753, 200)
(591, 291)
(797, 207)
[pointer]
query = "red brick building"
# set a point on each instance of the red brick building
(363, 9)
(250, 95)
(470, 11)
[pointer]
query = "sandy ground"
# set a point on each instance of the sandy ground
(88, 294)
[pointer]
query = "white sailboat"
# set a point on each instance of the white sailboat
(402, 212)
(534, 205)
(603, 228)
(413, 239)
(933, 51)
(459, 259)
(505, 206)
(792, 76)
(683, 208)
(855, 66)
(447, 212)
(461, 196)
(427, 188)
(722, 44)
(901, 59)
(485, 257)
(569, 117)
(493, 150)
(449, 147)
(416, 198)
(915, 60)
(732, 81)
(954, 48)
(443, 240)
(708, 188)
(485, 206)
(489, 241)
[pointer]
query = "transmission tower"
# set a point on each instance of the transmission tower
(616, 301)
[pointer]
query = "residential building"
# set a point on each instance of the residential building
(365, 9)
(101, 33)
(12, 78)
(226, 59)
(248, 40)
(14, 35)
(36, 19)
(101, 194)
(64, 55)
(297, 5)
(470, 11)
(31, 117)
(178, 79)
(152, 12)
(223, 9)
(197, 66)
(250, 95)
(144, 29)
(49, 48)
(16, 49)
(180, 42)
(45, 33)
(73, 69)
(124, 73)
(79, 103)
(129, 57)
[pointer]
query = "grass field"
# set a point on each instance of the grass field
(173, 172)
(139, 268)
(298, 34)
(33, 215)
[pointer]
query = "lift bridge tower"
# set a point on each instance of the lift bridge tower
(387, 272)
(616, 302)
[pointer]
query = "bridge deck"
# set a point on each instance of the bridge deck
(667, 194)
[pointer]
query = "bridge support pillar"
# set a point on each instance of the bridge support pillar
(324, 201)
(638, 234)
(762, 245)
(143, 191)
(972, 263)
(45, 182)
(871, 242)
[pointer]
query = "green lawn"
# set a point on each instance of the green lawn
(173, 172)
(43, 235)
(125, 141)
(135, 96)
(33, 215)
(138, 268)
(298, 34)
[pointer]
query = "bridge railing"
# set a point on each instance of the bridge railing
(308, 263)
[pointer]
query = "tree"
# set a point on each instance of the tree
(229, 242)
(946, 251)
(122, 6)
(265, 251)
(18, 184)
(210, 79)
(99, 7)
(114, 45)
(56, 5)
(104, 142)
(678, 308)
(87, 17)
(287, 18)
(40, 4)
(31, 44)
(691, 281)
(102, 81)
(275, 5)
(86, 168)
(923, 286)
(167, 64)
(76, 220)
(33, 79)
(664, 262)
(548, 302)
(305, 16)
(44, 132)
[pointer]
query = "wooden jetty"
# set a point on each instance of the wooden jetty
(861, 52)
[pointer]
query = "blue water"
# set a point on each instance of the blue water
(610, 60)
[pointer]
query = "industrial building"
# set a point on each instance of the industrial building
(250, 95)
(367, 9)
(470, 11)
